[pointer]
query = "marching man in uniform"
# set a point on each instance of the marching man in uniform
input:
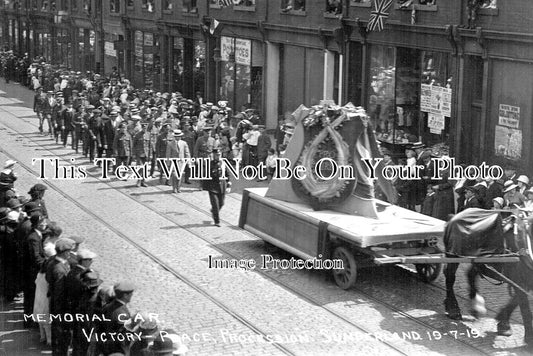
(216, 186)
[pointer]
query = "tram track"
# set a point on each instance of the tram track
(224, 251)
(249, 324)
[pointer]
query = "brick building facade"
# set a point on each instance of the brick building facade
(426, 76)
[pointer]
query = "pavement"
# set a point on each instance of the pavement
(163, 242)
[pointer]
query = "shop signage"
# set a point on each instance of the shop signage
(138, 43)
(226, 48)
(436, 123)
(243, 51)
(436, 100)
(509, 116)
(148, 39)
(109, 49)
(508, 142)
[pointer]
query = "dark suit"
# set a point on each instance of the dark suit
(493, 191)
(75, 290)
(33, 260)
(471, 203)
(56, 276)
(216, 187)
(118, 313)
(67, 121)
(107, 136)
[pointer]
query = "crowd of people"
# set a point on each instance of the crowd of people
(108, 117)
(441, 198)
(63, 295)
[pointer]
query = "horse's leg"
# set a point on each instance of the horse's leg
(476, 300)
(525, 310)
(504, 328)
(450, 303)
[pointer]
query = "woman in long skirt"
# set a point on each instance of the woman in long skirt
(41, 306)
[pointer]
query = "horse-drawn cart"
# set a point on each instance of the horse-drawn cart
(397, 236)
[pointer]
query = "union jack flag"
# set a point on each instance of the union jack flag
(378, 16)
(224, 3)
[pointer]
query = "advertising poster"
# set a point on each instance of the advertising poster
(509, 116)
(436, 100)
(508, 142)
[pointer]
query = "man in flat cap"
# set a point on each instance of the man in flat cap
(75, 287)
(56, 275)
(48, 106)
(37, 196)
(38, 105)
(90, 304)
(216, 186)
(33, 260)
(117, 311)
(122, 146)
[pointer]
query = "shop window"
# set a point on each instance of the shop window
(410, 97)
(167, 5)
(177, 65)
(292, 5)
(334, 7)
(148, 5)
(114, 6)
(189, 6)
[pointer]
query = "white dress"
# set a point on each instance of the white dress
(41, 305)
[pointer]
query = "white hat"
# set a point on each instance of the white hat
(484, 184)
(10, 163)
(499, 200)
(511, 187)
(524, 179)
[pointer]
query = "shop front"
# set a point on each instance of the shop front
(85, 43)
(409, 97)
(187, 66)
(241, 73)
(64, 50)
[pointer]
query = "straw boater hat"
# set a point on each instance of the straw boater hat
(177, 133)
(511, 187)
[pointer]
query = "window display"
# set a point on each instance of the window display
(409, 96)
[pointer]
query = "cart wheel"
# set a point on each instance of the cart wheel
(345, 278)
(428, 272)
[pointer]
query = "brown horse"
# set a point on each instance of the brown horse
(478, 232)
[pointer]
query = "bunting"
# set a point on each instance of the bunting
(378, 15)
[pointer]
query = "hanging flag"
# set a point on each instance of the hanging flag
(215, 28)
(224, 3)
(378, 15)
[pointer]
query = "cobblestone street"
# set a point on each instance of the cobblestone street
(163, 242)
